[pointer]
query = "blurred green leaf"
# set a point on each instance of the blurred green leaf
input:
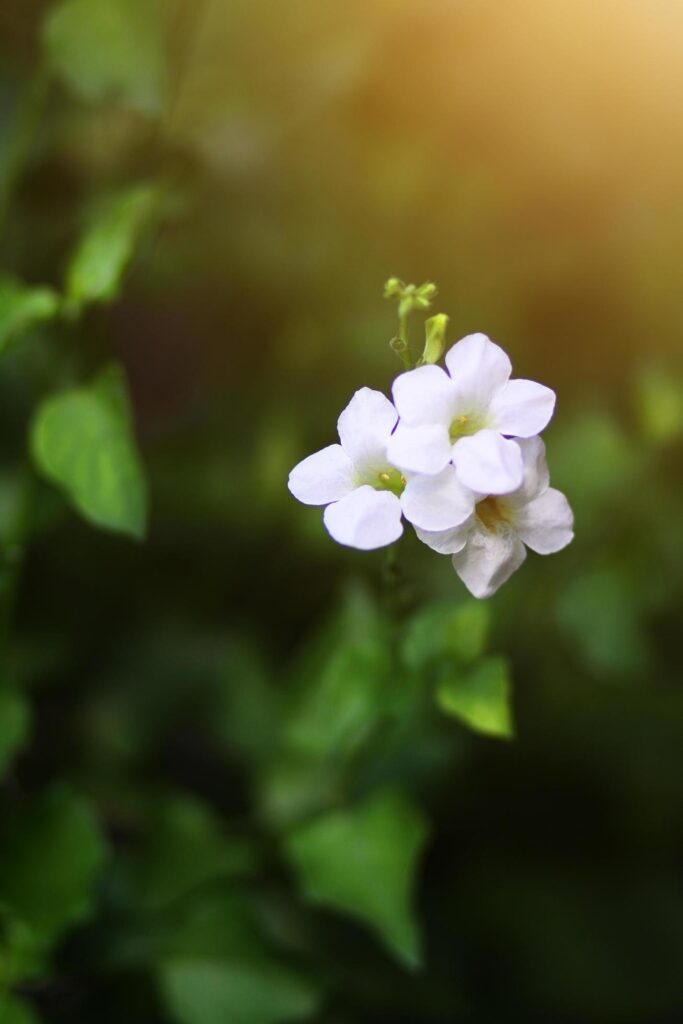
(344, 690)
(82, 440)
(612, 465)
(22, 307)
(659, 403)
(217, 922)
(14, 724)
(16, 1011)
(293, 787)
(104, 251)
(601, 612)
(339, 712)
(363, 862)
(454, 629)
(479, 696)
(22, 951)
(49, 863)
(186, 847)
(206, 992)
(246, 715)
(110, 48)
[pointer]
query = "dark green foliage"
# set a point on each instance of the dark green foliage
(82, 440)
(362, 861)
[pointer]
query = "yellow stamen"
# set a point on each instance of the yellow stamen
(491, 514)
(462, 425)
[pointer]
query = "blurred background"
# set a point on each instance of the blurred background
(243, 780)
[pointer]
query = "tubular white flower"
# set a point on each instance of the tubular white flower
(490, 545)
(467, 416)
(325, 476)
(366, 494)
(437, 502)
(354, 479)
(365, 519)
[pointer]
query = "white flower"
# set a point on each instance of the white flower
(468, 417)
(364, 493)
(489, 546)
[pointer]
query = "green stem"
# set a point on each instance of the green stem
(404, 351)
(403, 327)
(397, 596)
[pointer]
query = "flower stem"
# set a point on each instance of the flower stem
(397, 596)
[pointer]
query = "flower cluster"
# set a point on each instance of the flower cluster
(457, 454)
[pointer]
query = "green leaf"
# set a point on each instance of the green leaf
(16, 1011)
(215, 992)
(23, 307)
(446, 629)
(611, 469)
(82, 440)
(22, 952)
(659, 403)
(602, 612)
(96, 268)
(110, 48)
(338, 713)
(49, 862)
(293, 787)
(14, 724)
(479, 696)
(362, 862)
(245, 717)
(345, 690)
(218, 922)
(186, 847)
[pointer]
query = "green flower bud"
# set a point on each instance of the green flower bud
(393, 288)
(435, 338)
(425, 293)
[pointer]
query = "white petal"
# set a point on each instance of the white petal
(365, 519)
(478, 368)
(437, 502)
(546, 523)
(324, 476)
(536, 475)
(425, 395)
(488, 463)
(446, 542)
(365, 427)
(521, 408)
(488, 559)
(425, 449)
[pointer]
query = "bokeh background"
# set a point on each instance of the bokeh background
(230, 795)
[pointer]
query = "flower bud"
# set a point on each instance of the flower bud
(435, 338)
(425, 293)
(393, 288)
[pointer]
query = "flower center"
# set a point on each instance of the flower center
(390, 480)
(491, 514)
(465, 426)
